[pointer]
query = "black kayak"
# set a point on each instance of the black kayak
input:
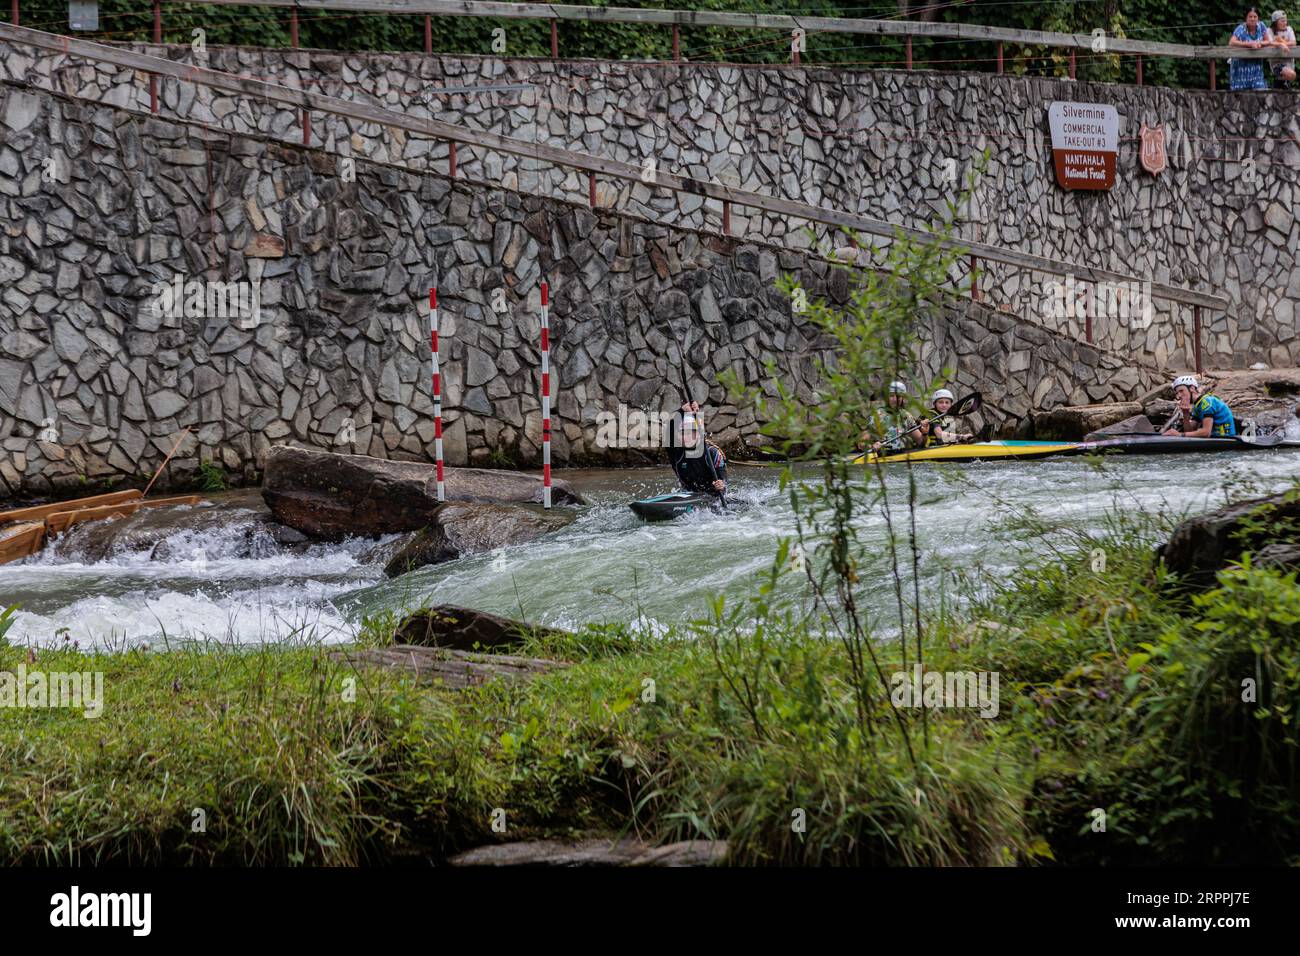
(673, 505)
(1167, 444)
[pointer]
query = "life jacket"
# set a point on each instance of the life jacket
(1208, 406)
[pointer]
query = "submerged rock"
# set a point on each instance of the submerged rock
(456, 529)
(1202, 546)
(331, 496)
(464, 629)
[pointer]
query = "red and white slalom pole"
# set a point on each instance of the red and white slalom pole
(437, 390)
(546, 396)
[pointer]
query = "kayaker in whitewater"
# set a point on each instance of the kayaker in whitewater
(944, 428)
(904, 431)
(1199, 416)
(698, 463)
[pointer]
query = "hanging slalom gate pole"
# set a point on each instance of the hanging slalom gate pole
(546, 396)
(437, 390)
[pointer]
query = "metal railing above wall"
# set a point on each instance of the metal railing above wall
(596, 165)
(1089, 43)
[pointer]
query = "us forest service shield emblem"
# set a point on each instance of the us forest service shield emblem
(1154, 159)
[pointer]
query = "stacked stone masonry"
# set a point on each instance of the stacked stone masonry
(95, 383)
(885, 144)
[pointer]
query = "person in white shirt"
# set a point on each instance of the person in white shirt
(1281, 34)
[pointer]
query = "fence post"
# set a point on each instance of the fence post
(14, 18)
(555, 39)
(999, 57)
(157, 38)
(293, 27)
(1089, 308)
(974, 279)
(677, 42)
(1139, 66)
(546, 396)
(1073, 64)
(1196, 337)
(726, 217)
(909, 51)
(591, 189)
(451, 160)
(428, 33)
(437, 391)
(1213, 65)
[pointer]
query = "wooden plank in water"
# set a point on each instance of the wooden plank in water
(63, 520)
(21, 540)
(40, 512)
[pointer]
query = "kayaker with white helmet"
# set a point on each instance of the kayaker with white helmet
(902, 430)
(698, 463)
(944, 427)
(1199, 416)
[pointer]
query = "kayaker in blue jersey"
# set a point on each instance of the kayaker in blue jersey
(1199, 416)
(698, 463)
(902, 430)
(944, 428)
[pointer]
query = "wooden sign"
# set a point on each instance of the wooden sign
(1085, 144)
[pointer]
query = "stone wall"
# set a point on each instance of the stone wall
(884, 144)
(97, 383)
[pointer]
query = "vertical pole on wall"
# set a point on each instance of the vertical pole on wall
(306, 128)
(293, 27)
(1139, 66)
(677, 40)
(14, 17)
(428, 33)
(1196, 337)
(909, 51)
(555, 38)
(1089, 308)
(1212, 77)
(451, 160)
(726, 218)
(437, 391)
(591, 189)
(157, 38)
(974, 279)
(546, 396)
(1074, 67)
(999, 57)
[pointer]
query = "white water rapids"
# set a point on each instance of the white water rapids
(607, 565)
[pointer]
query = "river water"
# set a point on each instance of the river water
(607, 565)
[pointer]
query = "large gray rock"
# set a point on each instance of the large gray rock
(332, 496)
(1202, 546)
(1073, 422)
(457, 529)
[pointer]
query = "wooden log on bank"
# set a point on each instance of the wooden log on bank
(446, 667)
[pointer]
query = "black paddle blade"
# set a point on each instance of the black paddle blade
(967, 405)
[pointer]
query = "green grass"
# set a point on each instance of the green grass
(1117, 695)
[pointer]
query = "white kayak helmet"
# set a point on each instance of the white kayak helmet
(897, 388)
(942, 393)
(1188, 380)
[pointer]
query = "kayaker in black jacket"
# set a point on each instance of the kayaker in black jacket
(699, 464)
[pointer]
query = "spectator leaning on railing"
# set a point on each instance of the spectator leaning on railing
(1281, 34)
(1248, 74)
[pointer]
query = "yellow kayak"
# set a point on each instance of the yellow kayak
(977, 451)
